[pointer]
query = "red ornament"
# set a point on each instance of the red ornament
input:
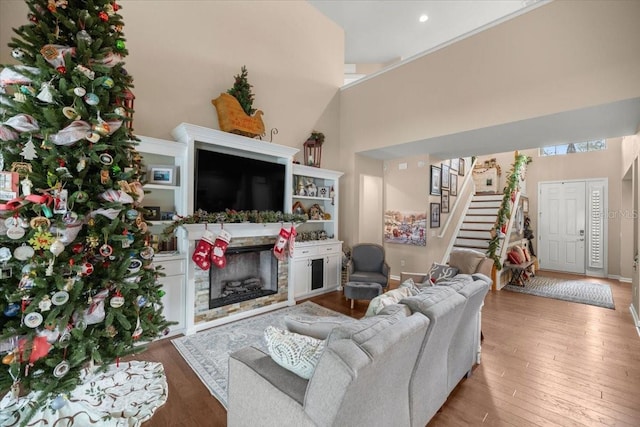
(61, 69)
(115, 6)
(39, 348)
(103, 16)
(33, 18)
(77, 248)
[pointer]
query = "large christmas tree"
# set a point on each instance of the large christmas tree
(77, 282)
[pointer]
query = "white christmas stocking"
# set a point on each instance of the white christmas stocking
(281, 242)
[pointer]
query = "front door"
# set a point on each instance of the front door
(562, 226)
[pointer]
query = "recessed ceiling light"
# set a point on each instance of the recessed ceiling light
(423, 18)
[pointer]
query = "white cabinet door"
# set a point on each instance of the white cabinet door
(174, 302)
(332, 271)
(301, 277)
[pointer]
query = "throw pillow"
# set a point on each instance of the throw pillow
(527, 254)
(515, 257)
(466, 260)
(388, 298)
(294, 352)
(441, 272)
(520, 253)
(411, 285)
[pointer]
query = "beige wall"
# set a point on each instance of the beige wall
(184, 53)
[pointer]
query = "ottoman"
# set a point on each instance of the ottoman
(362, 290)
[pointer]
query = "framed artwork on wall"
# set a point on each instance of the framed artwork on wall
(444, 201)
(435, 215)
(435, 180)
(453, 185)
(445, 176)
(455, 164)
(162, 174)
(461, 167)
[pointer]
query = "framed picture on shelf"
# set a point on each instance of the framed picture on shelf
(435, 181)
(444, 202)
(162, 174)
(435, 215)
(453, 185)
(461, 167)
(455, 164)
(153, 213)
(445, 176)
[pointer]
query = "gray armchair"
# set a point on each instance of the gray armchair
(367, 264)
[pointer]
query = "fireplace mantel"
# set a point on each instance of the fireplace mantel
(245, 229)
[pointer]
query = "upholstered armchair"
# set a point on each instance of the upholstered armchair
(367, 264)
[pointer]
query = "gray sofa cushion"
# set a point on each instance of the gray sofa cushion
(364, 329)
(314, 326)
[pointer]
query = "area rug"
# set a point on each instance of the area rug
(568, 290)
(207, 352)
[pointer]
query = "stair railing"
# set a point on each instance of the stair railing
(502, 228)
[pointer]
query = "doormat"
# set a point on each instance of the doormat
(579, 291)
(207, 352)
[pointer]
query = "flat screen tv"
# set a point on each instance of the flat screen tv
(227, 181)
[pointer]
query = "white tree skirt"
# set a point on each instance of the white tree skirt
(126, 395)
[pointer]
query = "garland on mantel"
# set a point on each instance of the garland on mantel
(516, 172)
(231, 216)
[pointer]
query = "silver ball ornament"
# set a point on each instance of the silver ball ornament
(17, 53)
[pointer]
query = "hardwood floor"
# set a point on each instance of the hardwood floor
(545, 363)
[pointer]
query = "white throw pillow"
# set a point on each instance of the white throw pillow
(294, 352)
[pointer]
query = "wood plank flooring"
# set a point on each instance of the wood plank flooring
(544, 363)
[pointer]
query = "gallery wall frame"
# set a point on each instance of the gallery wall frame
(444, 201)
(444, 181)
(435, 215)
(436, 174)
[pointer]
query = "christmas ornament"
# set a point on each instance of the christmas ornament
(29, 151)
(105, 250)
(17, 53)
(39, 348)
(57, 247)
(46, 94)
(91, 98)
(33, 319)
(147, 252)
(219, 248)
(137, 332)
(108, 83)
(117, 301)
(15, 233)
(59, 402)
(102, 128)
(120, 44)
(70, 113)
(11, 310)
(86, 72)
(281, 242)
(24, 252)
(61, 369)
(60, 298)
(45, 303)
(93, 137)
(134, 266)
(84, 36)
(120, 111)
(80, 91)
(41, 240)
(54, 54)
(104, 17)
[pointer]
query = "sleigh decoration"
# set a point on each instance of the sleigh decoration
(232, 117)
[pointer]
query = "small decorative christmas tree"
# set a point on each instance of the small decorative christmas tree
(241, 90)
(77, 283)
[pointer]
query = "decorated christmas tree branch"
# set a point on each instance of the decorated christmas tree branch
(231, 216)
(504, 213)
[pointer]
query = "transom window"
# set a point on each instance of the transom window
(574, 147)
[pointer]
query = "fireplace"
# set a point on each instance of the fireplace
(251, 272)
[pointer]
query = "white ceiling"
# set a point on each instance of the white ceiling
(383, 31)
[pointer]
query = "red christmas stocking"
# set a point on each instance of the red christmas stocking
(281, 242)
(292, 240)
(219, 248)
(203, 250)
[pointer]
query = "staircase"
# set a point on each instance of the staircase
(475, 232)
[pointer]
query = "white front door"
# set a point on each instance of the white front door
(562, 226)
